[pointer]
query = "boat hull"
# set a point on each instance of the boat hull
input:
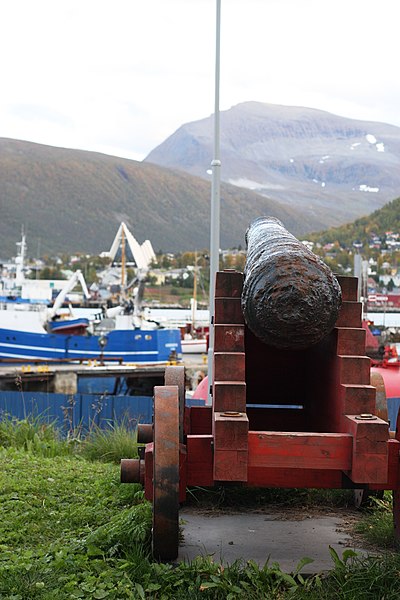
(194, 346)
(68, 326)
(125, 346)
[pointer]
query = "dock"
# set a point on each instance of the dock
(63, 378)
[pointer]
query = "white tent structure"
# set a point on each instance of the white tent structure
(130, 314)
(142, 254)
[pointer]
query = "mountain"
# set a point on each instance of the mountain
(73, 201)
(332, 168)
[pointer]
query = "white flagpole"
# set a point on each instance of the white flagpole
(215, 201)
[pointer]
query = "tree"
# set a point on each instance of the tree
(51, 273)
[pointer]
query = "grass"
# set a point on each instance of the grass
(355, 577)
(49, 508)
(377, 525)
(70, 530)
(110, 444)
(35, 435)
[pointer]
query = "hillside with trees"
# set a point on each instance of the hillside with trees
(73, 201)
(368, 230)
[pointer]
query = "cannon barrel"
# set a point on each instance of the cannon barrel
(290, 298)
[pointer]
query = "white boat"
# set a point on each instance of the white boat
(194, 346)
(195, 341)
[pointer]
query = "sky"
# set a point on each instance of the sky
(120, 76)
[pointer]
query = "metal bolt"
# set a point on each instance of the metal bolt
(365, 417)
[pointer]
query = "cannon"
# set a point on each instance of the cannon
(290, 298)
(288, 409)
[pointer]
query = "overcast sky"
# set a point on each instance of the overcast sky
(120, 76)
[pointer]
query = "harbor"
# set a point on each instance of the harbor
(93, 356)
(64, 378)
(200, 353)
(78, 396)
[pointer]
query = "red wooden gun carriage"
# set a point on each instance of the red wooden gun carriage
(300, 415)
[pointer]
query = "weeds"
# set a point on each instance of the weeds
(111, 444)
(34, 435)
(377, 524)
(356, 577)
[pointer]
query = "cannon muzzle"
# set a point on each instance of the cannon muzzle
(290, 298)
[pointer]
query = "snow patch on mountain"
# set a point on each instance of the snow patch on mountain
(371, 139)
(255, 185)
(367, 188)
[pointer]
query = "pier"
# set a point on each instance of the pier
(63, 378)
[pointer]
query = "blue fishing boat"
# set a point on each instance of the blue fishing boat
(123, 346)
(30, 330)
(68, 326)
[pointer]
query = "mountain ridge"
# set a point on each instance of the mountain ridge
(74, 200)
(298, 156)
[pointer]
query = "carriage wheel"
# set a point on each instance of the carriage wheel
(381, 409)
(165, 534)
(176, 376)
(362, 497)
(396, 495)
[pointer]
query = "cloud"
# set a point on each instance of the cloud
(124, 75)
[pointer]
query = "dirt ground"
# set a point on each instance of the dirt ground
(282, 535)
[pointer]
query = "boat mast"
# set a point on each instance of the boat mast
(123, 261)
(20, 260)
(194, 299)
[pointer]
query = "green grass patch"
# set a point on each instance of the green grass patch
(70, 530)
(59, 516)
(354, 578)
(110, 444)
(44, 499)
(377, 524)
(35, 435)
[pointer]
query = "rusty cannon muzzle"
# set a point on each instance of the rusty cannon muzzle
(290, 298)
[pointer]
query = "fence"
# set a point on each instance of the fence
(79, 410)
(83, 410)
